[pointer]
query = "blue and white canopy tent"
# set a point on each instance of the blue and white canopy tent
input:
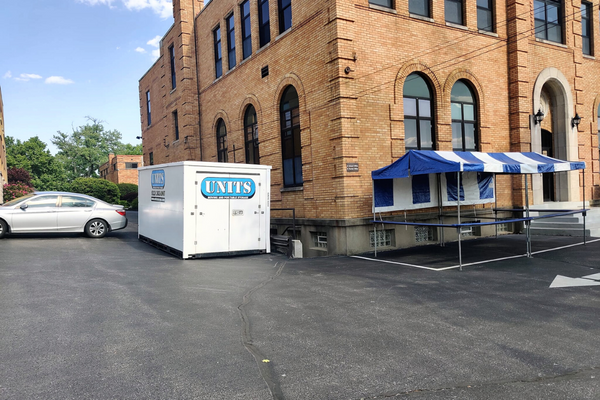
(427, 178)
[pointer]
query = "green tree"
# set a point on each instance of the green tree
(47, 173)
(98, 188)
(129, 149)
(84, 150)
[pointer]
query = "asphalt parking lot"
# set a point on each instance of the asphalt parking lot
(117, 319)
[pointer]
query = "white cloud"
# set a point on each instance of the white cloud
(7, 75)
(58, 80)
(154, 42)
(24, 77)
(164, 8)
(109, 3)
(156, 53)
(140, 50)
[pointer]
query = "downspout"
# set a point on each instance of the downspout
(197, 77)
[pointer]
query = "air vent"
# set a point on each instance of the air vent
(264, 71)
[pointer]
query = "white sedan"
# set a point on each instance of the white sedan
(60, 212)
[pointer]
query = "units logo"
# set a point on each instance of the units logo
(158, 179)
(228, 188)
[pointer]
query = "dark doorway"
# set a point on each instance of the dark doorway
(548, 179)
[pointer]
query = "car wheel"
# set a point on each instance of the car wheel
(3, 229)
(96, 228)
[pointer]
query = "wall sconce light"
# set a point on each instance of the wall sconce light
(539, 117)
(575, 121)
(347, 70)
(165, 143)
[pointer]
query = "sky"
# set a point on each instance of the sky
(64, 60)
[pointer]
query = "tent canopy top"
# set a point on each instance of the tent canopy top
(418, 162)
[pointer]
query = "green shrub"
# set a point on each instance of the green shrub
(99, 188)
(126, 190)
(134, 204)
(14, 190)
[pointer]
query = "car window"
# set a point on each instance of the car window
(17, 200)
(42, 201)
(74, 201)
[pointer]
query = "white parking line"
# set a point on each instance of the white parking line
(473, 263)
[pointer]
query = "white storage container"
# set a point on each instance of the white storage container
(198, 209)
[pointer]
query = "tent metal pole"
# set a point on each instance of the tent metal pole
(527, 223)
(375, 233)
(459, 227)
(584, 212)
(374, 220)
(440, 210)
(495, 205)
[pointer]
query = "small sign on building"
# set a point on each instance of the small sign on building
(351, 167)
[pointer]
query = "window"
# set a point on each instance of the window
(42, 201)
(172, 58)
(285, 15)
(246, 30)
(548, 20)
(230, 41)
(424, 234)
(319, 240)
(218, 56)
(264, 30)
(381, 238)
(464, 114)
(383, 3)
(151, 157)
(586, 28)
(251, 136)
(131, 165)
(454, 11)
(176, 124)
(221, 141)
(148, 108)
(290, 138)
(419, 7)
(76, 202)
(485, 15)
(418, 123)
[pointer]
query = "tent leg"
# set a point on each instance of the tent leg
(459, 226)
(584, 212)
(528, 222)
(375, 233)
(440, 211)
(495, 206)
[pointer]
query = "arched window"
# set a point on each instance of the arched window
(290, 138)
(418, 123)
(251, 136)
(221, 141)
(464, 118)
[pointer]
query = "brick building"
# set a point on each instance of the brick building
(325, 91)
(3, 168)
(121, 168)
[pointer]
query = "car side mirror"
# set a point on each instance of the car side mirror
(23, 207)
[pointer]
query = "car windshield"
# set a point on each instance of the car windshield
(17, 200)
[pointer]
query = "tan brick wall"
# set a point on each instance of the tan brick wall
(357, 117)
(115, 169)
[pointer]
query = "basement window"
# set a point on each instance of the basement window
(425, 234)
(319, 239)
(384, 238)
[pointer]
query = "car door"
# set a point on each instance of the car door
(36, 215)
(73, 213)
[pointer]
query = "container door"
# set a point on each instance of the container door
(244, 218)
(212, 214)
